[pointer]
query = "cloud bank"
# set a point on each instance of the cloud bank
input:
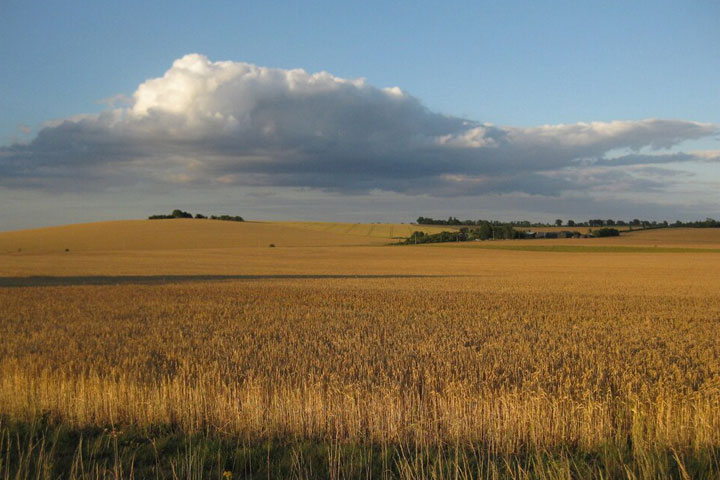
(208, 124)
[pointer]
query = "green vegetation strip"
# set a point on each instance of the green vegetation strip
(588, 248)
(39, 450)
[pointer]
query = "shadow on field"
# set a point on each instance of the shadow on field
(52, 281)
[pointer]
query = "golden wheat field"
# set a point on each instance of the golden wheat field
(323, 339)
(181, 234)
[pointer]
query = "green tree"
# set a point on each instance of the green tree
(177, 213)
(485, 231)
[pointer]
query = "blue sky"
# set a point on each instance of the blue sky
(510, 64)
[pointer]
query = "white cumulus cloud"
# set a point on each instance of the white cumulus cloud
(230, 123)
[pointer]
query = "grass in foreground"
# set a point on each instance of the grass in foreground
(43, 450)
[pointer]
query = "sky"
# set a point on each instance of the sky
(359, 111)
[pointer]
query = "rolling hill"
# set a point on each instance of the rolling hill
(178, 234)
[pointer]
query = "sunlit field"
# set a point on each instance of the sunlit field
(167, 352)
(387, 231)
(133, 235)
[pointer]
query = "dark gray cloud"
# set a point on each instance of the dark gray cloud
(227, 123)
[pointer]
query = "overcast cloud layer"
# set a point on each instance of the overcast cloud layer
(209, 124)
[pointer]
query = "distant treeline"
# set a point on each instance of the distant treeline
(181, 214)
(596, 222)
(487, 231)
(484, 231)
